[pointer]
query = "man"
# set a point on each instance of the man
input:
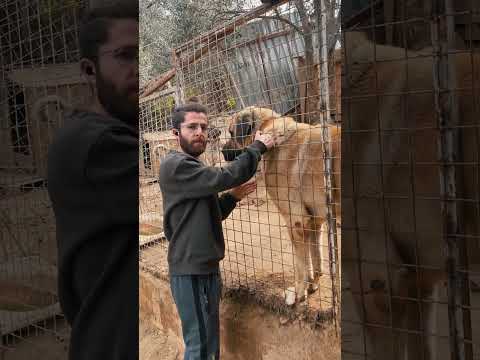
(93, 186)
(193, 213)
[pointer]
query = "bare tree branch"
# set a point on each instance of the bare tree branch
(283, 19)
(235, 12)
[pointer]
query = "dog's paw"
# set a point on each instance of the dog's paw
(290, 296)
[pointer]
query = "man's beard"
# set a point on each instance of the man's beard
(191, 149)
(117, 104)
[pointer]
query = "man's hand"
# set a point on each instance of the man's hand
(266, 139)
(243, 190)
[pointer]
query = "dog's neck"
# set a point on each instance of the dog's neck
(282, 128)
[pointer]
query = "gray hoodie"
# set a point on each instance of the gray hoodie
(193, 211)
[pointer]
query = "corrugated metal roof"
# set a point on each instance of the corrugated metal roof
(265, 71)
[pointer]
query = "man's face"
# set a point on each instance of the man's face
(117, 71)
(192, 136)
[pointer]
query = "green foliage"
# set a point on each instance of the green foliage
(170, 103)
(189, 92)
(231, 103)
(166, 24)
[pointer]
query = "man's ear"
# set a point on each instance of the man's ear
(88, 69)
(175, 132)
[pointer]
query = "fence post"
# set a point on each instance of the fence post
(328, 159)
(446, 108)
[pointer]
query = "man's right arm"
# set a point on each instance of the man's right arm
(194, 180)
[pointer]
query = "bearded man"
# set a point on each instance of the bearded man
(93, 187)
(193, 215)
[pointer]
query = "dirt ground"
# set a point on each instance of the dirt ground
(156, 344)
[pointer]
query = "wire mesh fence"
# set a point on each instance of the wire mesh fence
(274, 68)
(40, 73)
(410, 181)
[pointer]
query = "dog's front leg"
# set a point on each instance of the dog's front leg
(315, 245)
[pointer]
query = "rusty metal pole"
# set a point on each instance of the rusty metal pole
(329, 178)
(463, 316)
(446, 107)
(323, 48)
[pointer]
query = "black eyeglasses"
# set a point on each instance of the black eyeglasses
(124, 55)
(193, 127)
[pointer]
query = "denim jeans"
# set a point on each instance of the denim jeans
(197, 298)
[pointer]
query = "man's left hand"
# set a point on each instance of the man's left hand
(243, 190)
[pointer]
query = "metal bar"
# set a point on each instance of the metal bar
(446, 112)
(329, 178)
(463, 318)
(323, 57)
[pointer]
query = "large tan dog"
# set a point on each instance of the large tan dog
(393, 246)
(294, 179)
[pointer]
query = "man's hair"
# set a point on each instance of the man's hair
(96, 24)
(193, 105)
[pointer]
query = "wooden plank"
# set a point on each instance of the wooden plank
(158, 82)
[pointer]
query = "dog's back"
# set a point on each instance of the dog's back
(298, 162)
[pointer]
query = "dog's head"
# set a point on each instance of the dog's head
(242, 128)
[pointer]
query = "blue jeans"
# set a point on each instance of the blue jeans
(197, 298)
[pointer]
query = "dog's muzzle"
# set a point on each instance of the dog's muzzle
(229, 152)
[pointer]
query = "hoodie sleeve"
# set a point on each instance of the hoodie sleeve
(191, 179)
